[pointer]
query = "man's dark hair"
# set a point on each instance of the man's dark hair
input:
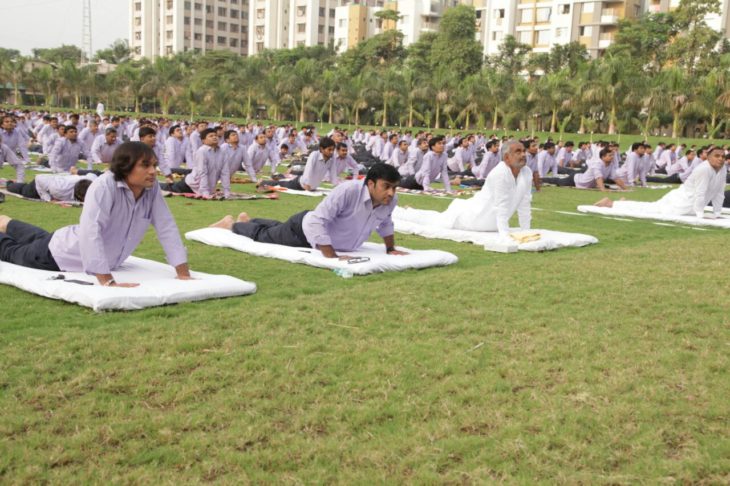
(172, 129)
(603, 152)
(284, 146)
(393, 136)
(434, 141)
(548, 145)
(491, 144)
(228, 134)
(126, 157)
(326, 142)
(144, 131)
(207, 132)
(636, 146)
(80, 189)
(569, 144)
(382, 171)
(341, 145)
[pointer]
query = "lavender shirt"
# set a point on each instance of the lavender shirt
(316, 170)
(234, 157)
(346, 218)
(433, 166)
(596, 170)
(112, 225)
(64, 155)
(209, 167)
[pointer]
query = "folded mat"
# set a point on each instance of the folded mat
(642, 214)
(158, 286)
(318, 193)
(549, 240)
(379, 260)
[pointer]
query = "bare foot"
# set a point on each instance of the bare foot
(456, 181)
(605, 203)
(73, 170)
(243, 218)
(225, 223)
(4, 220)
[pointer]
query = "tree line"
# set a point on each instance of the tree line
(662, 72)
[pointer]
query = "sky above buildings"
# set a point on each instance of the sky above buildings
(29, 24)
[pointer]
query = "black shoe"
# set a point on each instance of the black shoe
(2, 197)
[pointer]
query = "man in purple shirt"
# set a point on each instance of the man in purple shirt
(435, 165)
(119, 207)
(598, 173)
(342, 222)
(66, 151)
(319, 164)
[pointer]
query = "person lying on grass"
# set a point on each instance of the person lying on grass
(598, 173)
(49, 188)
(119, 207)
(705, 185)
(320, 165)
(342, 222)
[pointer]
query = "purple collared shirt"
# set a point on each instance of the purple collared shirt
(64, 154)
(112, 225)
(346, 218)
(208, 168)
(433, 166)
(317, 169)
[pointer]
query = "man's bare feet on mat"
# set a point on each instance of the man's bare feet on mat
(225, 223)
(243, 218)
(4, 220)
(605, 203)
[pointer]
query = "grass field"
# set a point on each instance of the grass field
(601, 365)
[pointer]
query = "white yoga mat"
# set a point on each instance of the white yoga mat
(379, 260)
(549, 240)
(285, 190)
(158, 286)
(672, 218)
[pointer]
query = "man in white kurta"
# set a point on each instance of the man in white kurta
(506, 190)
(705, 185)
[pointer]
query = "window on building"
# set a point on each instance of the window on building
(168, 19)
(198, 22)
(499, 13)
(222, 11)
(168, 35)
(138, 36)
(138, 7)
(585, 31)
(233, 42)
(301, 11)
(332, 13)
(186, 21)
(222, 40)
(343, 23)
(260, 32)
(320, 29)
(168, 50)
(198, 37)
(560, 32)
(234, 2)
(234, 13)
(564, 9)
(322, 11)
(138, 50)
(244, 29)
(222, 26)
(588, 7)
(209, 24)
(301, 28)
(542, 37)
(188, 5)
(209, 9)
(169, 4)
(543, 14)
(137, 21)
(526, 37)
(300, 44)
(260, 13)
(234, 28)
(208, 39)
(198, 6)
(497, 36)
(259, 46)
(526, 16)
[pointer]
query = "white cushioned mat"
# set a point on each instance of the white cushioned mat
(671, 218)
(379, 260)
(158, 286)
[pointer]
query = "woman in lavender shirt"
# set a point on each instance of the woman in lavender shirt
(119, 207)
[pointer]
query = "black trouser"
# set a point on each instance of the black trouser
(181, 171)
(180, 187)
(288, 233)
(88, 171)
(409, 182)
(467, 173)
(26, 190)
(473, 182)
(560, 181)
(292, 184)
(27, 245)
(672, 179)
(571, 170)
(726, 203)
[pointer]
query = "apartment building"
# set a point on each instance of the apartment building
(544, 23)
(719, 22)
(284, 24)
(164, 27)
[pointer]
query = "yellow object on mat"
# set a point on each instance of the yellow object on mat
(525, 236)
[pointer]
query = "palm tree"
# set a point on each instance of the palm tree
(676, 85)
(72, 79)
(611, 85)
(415, 90)
(389, 83)
(551, 93)
(441, 83)
(164, 81)
(708, 99)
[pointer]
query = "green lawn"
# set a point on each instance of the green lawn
(601, 365)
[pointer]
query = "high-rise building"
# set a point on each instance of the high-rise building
(164, 27)
(356, 22)
(284, 24)
(719, 22)
(544, 23)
